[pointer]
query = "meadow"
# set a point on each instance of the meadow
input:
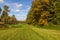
(28, 32)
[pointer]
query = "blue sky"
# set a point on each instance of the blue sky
(19, 8)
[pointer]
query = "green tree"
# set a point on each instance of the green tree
(4, 16)
(0, 10)
(12, 20)
(54, 11)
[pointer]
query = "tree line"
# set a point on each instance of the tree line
(44, 12)
(5, 18)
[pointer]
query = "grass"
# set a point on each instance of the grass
(48, 34)
(53, 27)
(15, 25)
(29, 32)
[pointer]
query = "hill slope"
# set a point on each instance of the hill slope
(29, 33)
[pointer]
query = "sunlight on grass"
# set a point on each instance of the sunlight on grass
(29, 32)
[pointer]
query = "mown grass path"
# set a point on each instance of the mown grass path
(29, 33)
(48, 34)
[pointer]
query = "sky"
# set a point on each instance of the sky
(19, 8)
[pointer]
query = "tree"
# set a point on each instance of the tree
(6, 18)
(0, 10)
(44, 12)
(54, 12)
(36, 12)
(4, 15)
(12, 20)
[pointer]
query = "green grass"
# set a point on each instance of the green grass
(15, 25)
(53, 27)
(29, 32)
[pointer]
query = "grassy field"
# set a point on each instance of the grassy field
(28, 32)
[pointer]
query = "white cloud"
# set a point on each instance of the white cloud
(17, 5)
(28, 8)
(1, 1)
(15, 10)
(22, 18)
(23, 10)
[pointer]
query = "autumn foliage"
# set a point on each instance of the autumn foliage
(44, 12)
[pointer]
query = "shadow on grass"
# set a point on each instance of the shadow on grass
(56, 27)
(11, 26)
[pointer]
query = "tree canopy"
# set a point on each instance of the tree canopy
(6, 18)
(0, 10)
(44, 12)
